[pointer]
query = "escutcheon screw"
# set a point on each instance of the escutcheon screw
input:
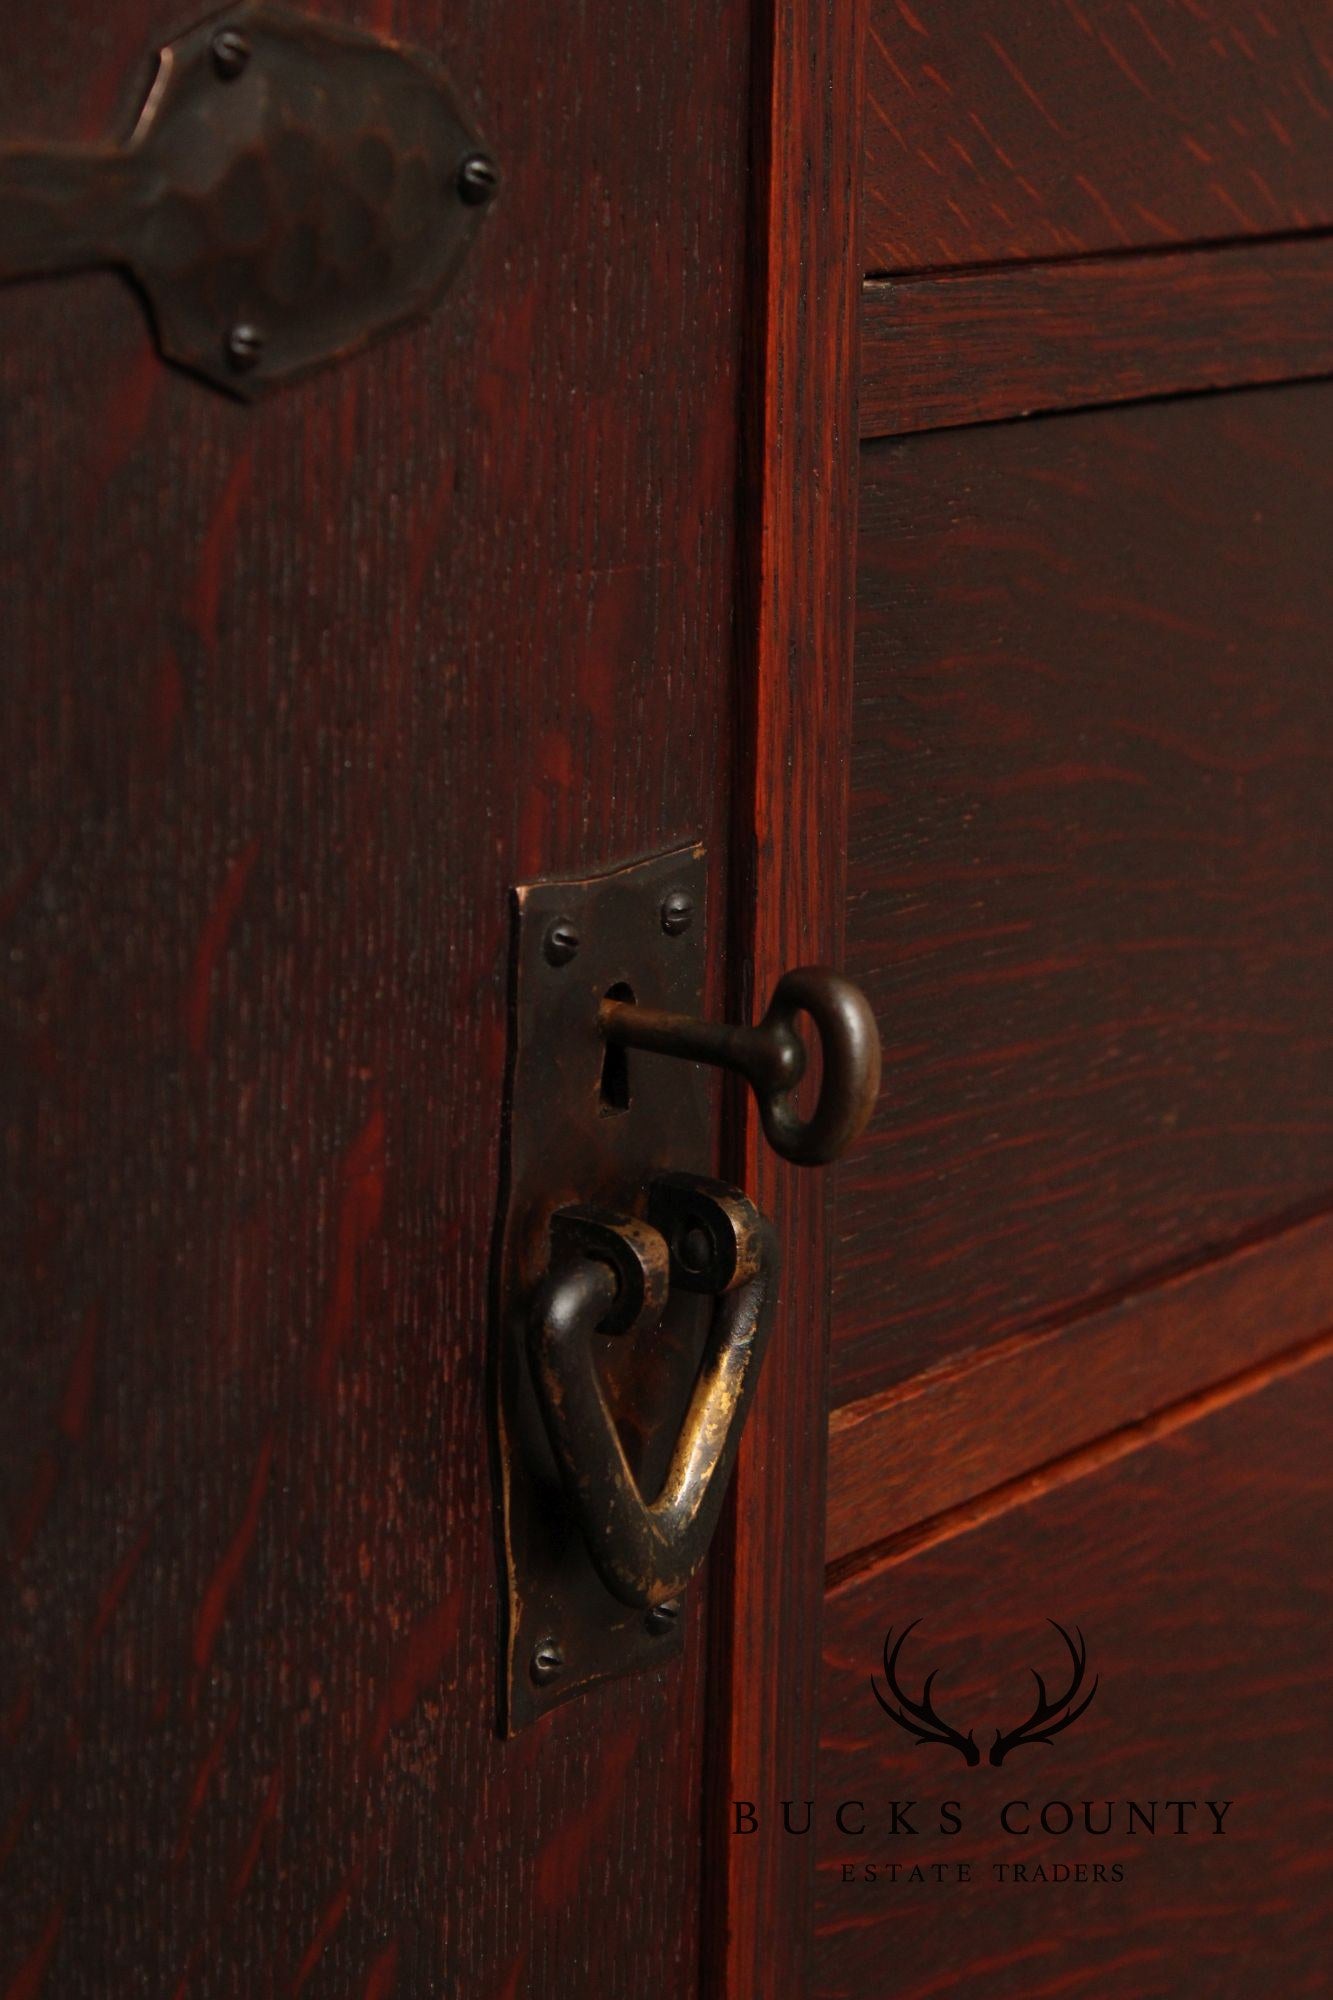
(561, 942)
(677, 912)
(231, 52)
(478, 180)
(662, 1618)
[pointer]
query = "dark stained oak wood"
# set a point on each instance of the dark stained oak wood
(1091, 861)
(295, 694)
(292, 696)
(1195, 1567)
(969, 347)
(795, 697)
(995, 134)
(965, 1428)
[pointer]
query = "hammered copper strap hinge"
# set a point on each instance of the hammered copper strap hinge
(290, 192)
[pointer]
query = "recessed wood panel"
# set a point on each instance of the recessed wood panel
(1195, 1569)
(1090, 864)
(997, 133)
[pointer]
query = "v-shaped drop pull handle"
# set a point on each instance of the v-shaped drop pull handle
(772, 1057)
(610, 1273)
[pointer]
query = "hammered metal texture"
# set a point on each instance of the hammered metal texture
(565, 1145)
(290, 192)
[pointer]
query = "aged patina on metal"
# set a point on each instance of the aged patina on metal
(634, 1296)
(772, 1058)
(590, 1138)
(290, 192)
(646, 1551)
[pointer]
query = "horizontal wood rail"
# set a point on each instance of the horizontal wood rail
(961, 1430)
(979, 346)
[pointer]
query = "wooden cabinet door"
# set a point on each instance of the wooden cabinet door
(1081, 1273)
(296, 691)
(885, 445)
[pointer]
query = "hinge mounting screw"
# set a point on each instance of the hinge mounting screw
(231, 52)
(478, 180)
(548, 1662)
(245, 344)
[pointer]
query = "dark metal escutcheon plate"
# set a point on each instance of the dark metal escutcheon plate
(291, 190)
(567, 1144)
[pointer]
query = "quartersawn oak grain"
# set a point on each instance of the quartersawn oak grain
(292, 696)
(995, 134)
(1194, 1568)
(971, 347)
(968, 1427)
(1090, 863)
(798, 552)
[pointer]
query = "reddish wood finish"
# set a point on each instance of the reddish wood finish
(1195, 1569)
(996, 134)
(292, 697)
(800, 504)
(964, 1428)
(1090, 860)
(968, 347)
(296, 694)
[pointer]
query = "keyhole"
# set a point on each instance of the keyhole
(615, 1060)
